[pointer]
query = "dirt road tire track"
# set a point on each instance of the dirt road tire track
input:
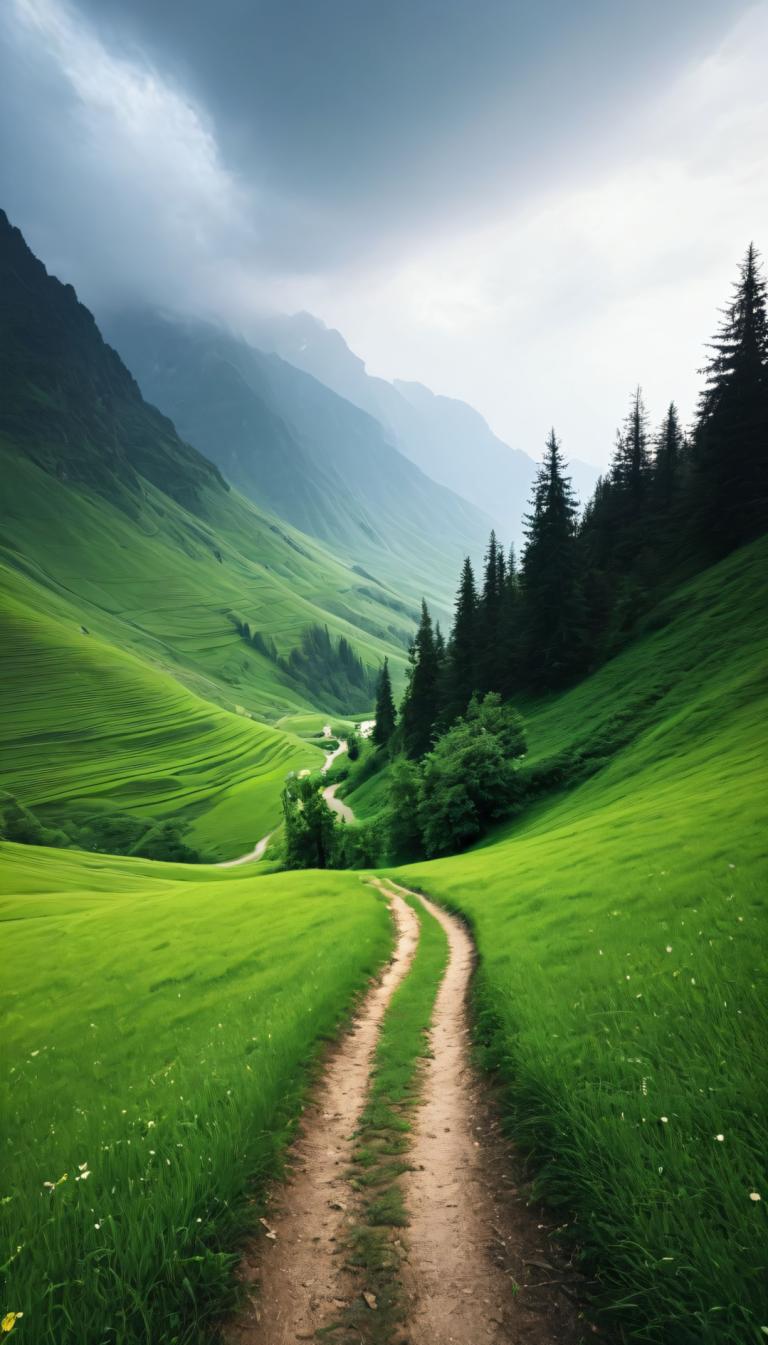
(472, 1238)
(299, 1277)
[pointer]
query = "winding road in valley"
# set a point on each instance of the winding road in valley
(477, 1265)
(329, 794)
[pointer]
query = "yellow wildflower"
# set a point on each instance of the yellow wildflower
(9, 1321)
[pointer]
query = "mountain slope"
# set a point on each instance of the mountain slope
(129, 567)
(70, 402)
(445, 437)
(294, 446)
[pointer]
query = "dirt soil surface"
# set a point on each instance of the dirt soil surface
(338, 805)
(297, 1267)
(480, 1267)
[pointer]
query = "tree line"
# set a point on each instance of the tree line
(670, 503)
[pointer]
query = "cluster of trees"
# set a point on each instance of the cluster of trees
(314, 838)
(468, 781)
(320, 661)
(670, 503)
(105, 833)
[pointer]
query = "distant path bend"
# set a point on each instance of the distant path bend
(337, 806)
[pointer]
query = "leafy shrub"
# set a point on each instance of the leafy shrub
(468, 781)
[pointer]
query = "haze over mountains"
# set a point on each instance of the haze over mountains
(297, 448)
(446, 437)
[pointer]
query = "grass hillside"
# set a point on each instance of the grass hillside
(141, 613)
(126, 561)
(621, 994)
(94, 732)
(142, 1116)
(168, 586)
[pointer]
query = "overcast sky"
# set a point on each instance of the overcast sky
(532, 207)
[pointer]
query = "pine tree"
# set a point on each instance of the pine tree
(419, 711)
(509, 635)
(461, 662)
(489, 660)
(551, 598)
(385, 709)
(730, 484)
(667, 462)
(631, 468)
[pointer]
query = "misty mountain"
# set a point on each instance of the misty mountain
(110, 521)
(298, 448)
(445, 437)
(69, 401)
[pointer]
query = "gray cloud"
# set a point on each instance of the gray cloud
(448, 182)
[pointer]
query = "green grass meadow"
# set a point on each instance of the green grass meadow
(92, 728)
(621, 928)
(129, 689)
(161, 1022)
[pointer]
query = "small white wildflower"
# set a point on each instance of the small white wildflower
(669, 947)
(755, 1195)
(719, 1138)
(664, 1119)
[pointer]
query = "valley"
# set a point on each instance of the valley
(367, 981)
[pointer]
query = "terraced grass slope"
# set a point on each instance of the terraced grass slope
(122, 547)
(93, 731)
(144, 1112)
(621, 929)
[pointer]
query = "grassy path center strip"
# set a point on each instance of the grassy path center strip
(375, 1247)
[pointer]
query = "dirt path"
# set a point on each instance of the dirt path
(256, 853)
(329, 794)
(478, 1254)
(338, 806)
(301, 1270)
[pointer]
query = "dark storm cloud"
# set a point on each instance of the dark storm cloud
(360, 121)
(520, 205)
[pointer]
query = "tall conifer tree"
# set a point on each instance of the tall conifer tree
(419, 711)
(385, 709)
(461, 663)
(489, 661)
(730, 485)
(550, 581)
(631, 467)
(667, 462)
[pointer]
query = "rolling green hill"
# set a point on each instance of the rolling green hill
(94, 733)
(621, 930)
(133, 581)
